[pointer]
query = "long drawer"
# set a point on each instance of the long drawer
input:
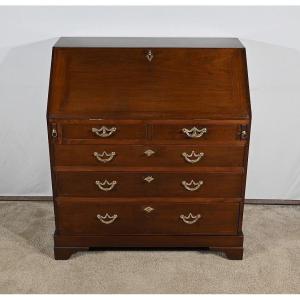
(114, 184)
(148, 156)
(134, 131)
(95, 216)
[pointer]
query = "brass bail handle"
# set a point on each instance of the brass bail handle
(104, 156)
(107, 219)
(194, 132)
(104, 131)
(193, 157)
(190, 219)
(106, 185)
(192, 185)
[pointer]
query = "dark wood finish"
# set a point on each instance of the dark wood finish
(151, 132)
(134, 184)
(64, 253)
(159, 241)
(177, 81)
(79, 216)
(110, 82)
(215, 132)
(133, 131)
(135, 156)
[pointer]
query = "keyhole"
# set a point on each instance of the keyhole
(149, 55)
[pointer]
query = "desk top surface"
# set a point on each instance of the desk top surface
(145, 42)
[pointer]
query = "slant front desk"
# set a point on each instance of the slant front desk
(148, 143)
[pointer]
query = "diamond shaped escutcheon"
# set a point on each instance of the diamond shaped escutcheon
(148, 209)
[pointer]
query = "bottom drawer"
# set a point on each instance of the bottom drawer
(96, 216)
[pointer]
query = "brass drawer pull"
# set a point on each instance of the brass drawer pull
(194, 132)
(190, 219)
(54, 133)
(192, 185)
(104, 156)
(107, 219)
(104, 131)
(244, 134)
(149, 55)
(189, 157)
(109, 185)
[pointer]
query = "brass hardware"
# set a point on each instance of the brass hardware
(104, 131)
(243, 132)
(107, 219)
(190, 219)
(192, 185)
(188, 157)
(110, 185)
(54, 133)
(148, 209)
(194, 132)
(101, 156)
(149, 55)
(149, 152)
(149, 179)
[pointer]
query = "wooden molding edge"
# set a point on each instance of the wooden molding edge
(247, 201)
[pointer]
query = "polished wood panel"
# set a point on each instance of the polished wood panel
(79, 216)
(123, 81)
(135, 184)
(149, 156)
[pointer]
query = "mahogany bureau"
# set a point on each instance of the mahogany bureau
(148, 143)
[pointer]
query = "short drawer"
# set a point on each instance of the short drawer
(194, 132)
(106, 156)
(95, 216)
(104, 132)
(125, 184)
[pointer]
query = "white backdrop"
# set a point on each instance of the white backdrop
(271, 36)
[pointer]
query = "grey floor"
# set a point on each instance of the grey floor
(271, 260)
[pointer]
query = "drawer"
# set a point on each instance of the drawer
(106, 156)
(195, 132)
(114, 184)
(95, 216)
(103, 132)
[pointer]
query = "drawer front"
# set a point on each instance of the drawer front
(94, 216)
(106, 132)
(115, 184)
(195, 132)
(149, 156)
